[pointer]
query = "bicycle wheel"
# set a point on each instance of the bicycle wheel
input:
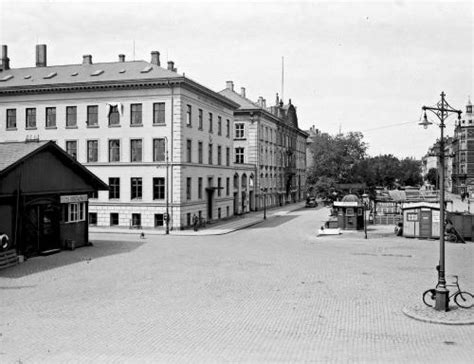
(429, 297)
(464, 299)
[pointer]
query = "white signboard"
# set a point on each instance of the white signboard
(73, 198)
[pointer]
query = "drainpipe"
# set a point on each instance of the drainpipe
(171, 142)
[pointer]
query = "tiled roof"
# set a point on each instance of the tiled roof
(11, 152)
(242, 101)
(83, 73)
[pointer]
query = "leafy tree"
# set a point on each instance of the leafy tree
(432, 176)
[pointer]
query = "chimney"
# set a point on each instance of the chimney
(229, 85)
(242, 91)
(155, 58)
(41, 55)
(260, 101)
(121, 57)
(87, 59)
(170, 65)
(264, 103)
(4, 61)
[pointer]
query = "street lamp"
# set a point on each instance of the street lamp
(365, 200)
(167, 214)
(264, 190)
(442, 110)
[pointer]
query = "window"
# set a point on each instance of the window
(135, 188)
(210, 122)
(219, 182)
(93, 194)
(114, 219)
(188, 219)
(93, 218)
(227, 128)
(159, 149)
(50, 117)
(71, 116)
(159, 113)
(219, 213)
(114, 116)
(114, 150)
(114, 188)
(227, 156)
(76, 212)
(219, 125)
(188, 115)
(188, 188)
(137, 220)
(200, 187)
(31, 118)
(239, 131)
(219, 155)
(227, 186)
(158, 188)
(71, 148)
(136, 150)
(239, 155)
(200, 152)
(200, 119)
(188, 150)
(469, 109)
(11, 118)
(210, 154)
(92, 150)
(92, 115)
(136, 114)
(227, 211)
(159, 220)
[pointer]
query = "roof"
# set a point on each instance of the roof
(350, 198)
(414, 205)
(10, 153)
(83, 73)
(14, 153)
(244, 102)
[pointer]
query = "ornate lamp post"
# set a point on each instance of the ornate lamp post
(442, 110)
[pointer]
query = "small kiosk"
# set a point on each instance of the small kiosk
(421, 220)
(350, 213)
(43, 199)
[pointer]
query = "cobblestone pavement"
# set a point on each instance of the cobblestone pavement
(270, 293)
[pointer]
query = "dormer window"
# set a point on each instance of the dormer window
(469, 109)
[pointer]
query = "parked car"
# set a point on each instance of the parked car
(311, 202)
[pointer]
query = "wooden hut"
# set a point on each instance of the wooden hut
(421, 220)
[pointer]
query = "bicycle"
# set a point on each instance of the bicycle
(463, 299)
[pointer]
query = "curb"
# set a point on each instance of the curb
(456, 316)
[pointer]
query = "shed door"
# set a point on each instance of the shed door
(425, 224)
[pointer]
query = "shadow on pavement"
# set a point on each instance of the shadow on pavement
(274, 221)
(38, 264)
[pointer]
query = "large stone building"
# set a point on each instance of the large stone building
(158, 139)
(463, 150)
(269, 139)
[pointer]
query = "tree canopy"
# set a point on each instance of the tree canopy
(343, 159)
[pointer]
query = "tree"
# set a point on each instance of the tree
(432, 176)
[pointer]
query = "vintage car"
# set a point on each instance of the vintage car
(311, 202)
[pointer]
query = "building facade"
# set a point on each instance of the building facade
(463, 150)
(162, 142)
(269, 140)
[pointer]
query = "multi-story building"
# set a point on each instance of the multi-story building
(269, 139)
(161, 141)
(463, 150)
(312, 134)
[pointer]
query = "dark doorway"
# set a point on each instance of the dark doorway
(40, 228)
(210, 195)
(236, 203)
(425, 224)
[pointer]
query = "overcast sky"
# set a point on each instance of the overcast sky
(354, 66)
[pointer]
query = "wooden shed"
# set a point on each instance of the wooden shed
(421, 220)
(43, 198)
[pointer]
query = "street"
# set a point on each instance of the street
(273, 292)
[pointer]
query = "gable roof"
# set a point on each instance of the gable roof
(14, 153)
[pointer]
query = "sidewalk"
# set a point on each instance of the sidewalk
(215, 228)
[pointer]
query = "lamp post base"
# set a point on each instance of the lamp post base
(442, 299)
